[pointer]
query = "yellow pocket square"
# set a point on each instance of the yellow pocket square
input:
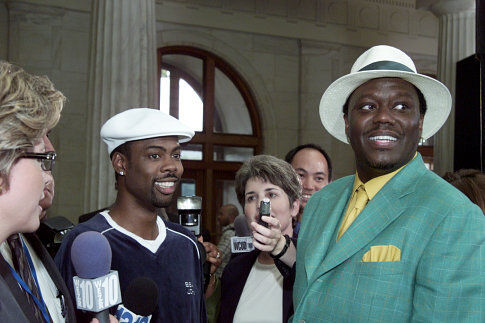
(382, 253)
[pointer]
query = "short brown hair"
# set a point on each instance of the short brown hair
(269, 169)
(470, 182)
(29, 107)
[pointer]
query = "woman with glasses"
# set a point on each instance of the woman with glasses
(253, 289)
(31, 289)
(29, 107)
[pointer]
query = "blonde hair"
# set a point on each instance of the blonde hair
(29, 107)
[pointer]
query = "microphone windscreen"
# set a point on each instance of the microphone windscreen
(141, 296)
(91, 255)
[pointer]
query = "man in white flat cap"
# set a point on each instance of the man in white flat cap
(394, 242)
(144, 148)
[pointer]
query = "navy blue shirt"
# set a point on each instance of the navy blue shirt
(175, 267)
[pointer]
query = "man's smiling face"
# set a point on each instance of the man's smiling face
(383, 124)
(154, 170)
(312, 168)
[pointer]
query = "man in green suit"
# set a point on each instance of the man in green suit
(394, 242)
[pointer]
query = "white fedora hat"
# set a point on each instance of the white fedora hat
(384, 61)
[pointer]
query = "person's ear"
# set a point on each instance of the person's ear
(295, 209)
(421, 120)
(119, 163)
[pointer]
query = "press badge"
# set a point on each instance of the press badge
(241, 244)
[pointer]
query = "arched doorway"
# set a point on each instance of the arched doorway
(207, 94)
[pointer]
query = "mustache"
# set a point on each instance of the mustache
(384, 127)
(167, 176)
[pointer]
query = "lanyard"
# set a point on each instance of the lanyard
(40, 303)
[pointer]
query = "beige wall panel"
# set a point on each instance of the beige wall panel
(54, 41)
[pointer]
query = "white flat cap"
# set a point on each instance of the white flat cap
(142, 123)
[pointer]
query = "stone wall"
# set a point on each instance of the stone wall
(54, 41)
(3, 31)
(355, 23)
(287, 51)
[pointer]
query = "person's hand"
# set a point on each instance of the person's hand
(213, 255)
(268, 239)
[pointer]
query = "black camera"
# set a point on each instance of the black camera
(52, 231)
(189, 211)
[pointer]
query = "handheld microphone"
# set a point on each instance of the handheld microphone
(241, 244)
(96, 287)
(139, 301)
(243, 241)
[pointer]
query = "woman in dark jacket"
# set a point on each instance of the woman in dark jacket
(253, 287)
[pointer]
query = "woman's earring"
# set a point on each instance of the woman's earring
(122, 173)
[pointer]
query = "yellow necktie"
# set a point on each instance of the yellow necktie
(361, 200)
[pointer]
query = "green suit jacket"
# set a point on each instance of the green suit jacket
(441, 235)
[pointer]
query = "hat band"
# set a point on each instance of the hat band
(386, 65)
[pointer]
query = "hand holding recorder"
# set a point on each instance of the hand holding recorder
(266, 239)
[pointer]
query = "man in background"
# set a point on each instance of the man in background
(46, 202)
(314, 167)
(226, 215)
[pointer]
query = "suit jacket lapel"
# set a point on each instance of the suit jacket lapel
(381, 211)
(324, 217)
(376, 216)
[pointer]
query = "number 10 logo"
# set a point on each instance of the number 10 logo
(97, 294)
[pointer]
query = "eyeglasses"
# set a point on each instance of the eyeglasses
(47, 160)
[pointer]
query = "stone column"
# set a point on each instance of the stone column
(123, 75)
(456, 41)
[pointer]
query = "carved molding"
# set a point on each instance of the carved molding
(443, 7)
(398, 3)
(32, 11)
(84, 5)
(396, 16)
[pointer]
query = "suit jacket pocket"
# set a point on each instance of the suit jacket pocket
(382, 253)
(380, 268)
(383, 288)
